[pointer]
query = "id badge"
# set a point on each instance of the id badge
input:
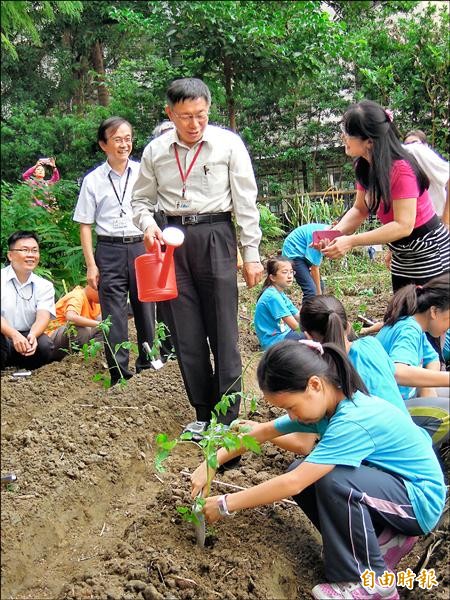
(119, 223)
(183, 204)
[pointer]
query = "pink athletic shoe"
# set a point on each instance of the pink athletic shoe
(394, 546)
(352, 591)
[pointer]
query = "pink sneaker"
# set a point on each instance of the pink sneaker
(394, 546)
(352, 591)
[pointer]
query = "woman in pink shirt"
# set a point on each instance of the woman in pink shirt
(391, 185)
(36, 176)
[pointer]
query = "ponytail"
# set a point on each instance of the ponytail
(289, 365)
(324, 318)
(272, 266)
(412, 299)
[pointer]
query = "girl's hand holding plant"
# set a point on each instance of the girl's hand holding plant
(199, 480)
(211, 509)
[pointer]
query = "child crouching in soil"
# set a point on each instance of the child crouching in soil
(372, 469)
(276, 317)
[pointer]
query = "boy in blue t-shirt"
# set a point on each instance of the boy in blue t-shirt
(306, 260)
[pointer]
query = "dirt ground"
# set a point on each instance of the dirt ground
(90, 518)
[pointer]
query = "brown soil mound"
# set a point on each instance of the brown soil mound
(90, 518)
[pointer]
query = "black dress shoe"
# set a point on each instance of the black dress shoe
(231, 464)
(140, 367)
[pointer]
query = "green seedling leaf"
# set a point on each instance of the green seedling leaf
(250, 443)
(357, 327)
(212, 461)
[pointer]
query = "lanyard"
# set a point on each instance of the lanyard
(19, 292)
(184, 176)
(120, 201)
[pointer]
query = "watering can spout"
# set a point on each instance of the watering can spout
(155, 270)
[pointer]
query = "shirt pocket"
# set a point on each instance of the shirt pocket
(214, 176)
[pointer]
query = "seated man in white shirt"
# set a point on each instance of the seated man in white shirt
(27, 305)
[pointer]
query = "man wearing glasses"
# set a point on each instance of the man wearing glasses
(199, 175)
(28, 303)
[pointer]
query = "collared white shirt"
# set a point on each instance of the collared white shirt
(20, 302)
(98, 203)
(221, 180)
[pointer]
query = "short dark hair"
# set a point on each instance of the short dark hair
(187, 88)
(418, 133)
(21, 235)
(111, 123)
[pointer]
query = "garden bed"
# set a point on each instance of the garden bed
(89, 517)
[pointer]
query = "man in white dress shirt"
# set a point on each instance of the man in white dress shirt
(198, 175)
(28, 304)
(104, 202)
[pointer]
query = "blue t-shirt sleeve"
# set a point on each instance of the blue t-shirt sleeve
(429, 353)
(406, 348)
(286, 425)
(291, 306)
(344, 443)
(280, 306)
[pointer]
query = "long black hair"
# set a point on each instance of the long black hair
(368, 120)
(272, 266)
(288, 366)
(413, 299)
(325, 319)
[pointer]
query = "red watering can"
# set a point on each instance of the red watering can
(155, 270)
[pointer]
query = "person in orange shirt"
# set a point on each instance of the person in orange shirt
(81, 308)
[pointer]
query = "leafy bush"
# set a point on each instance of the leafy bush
(270, 224)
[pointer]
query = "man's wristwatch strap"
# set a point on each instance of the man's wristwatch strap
(223, 507)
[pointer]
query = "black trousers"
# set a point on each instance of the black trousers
(118, 279)
(203, 318)
(350, 507)
(42, 356)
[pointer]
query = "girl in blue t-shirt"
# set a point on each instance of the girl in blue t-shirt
(413, 312)
(372, 468)
(324, 319)
(276, 317)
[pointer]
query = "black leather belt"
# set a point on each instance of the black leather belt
(196, 219)
(126, 239)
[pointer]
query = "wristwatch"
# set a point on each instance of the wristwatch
(223, 508)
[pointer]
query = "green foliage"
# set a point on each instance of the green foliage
(303, 209)
(269, 222)
(20, 18)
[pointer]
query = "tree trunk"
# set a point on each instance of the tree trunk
(99, 67)
(228, 72)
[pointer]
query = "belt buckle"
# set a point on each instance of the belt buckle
(189, 219)
(127, 239)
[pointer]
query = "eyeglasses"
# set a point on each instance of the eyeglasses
(201, 117)
(287, 272)
(26, 250)
(119, 140)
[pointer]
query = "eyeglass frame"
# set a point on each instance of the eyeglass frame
(26, 250)
(188, 118)
(119, 140)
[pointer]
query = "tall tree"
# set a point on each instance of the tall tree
(20, 18)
